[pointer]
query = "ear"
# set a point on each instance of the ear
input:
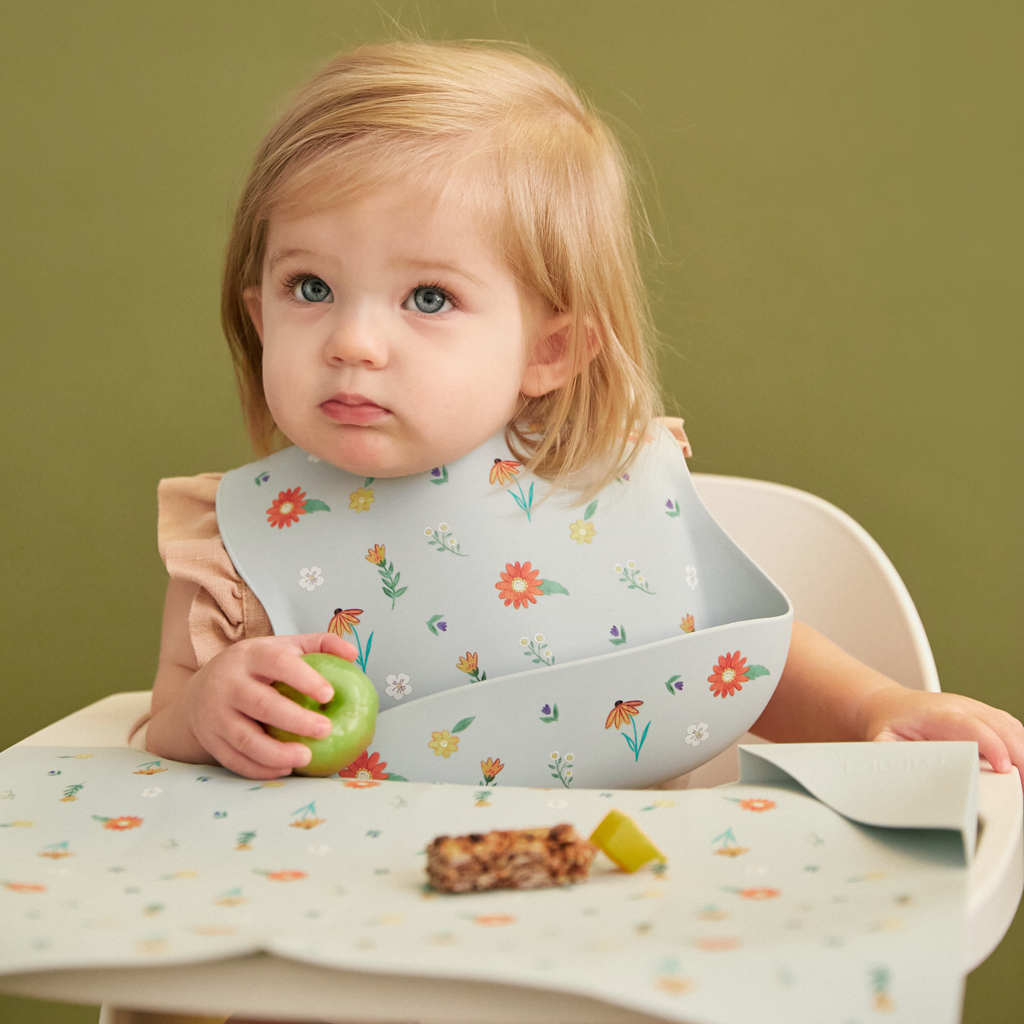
(253, 299)
(551, 363)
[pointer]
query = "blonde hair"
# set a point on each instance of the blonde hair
(501, 127)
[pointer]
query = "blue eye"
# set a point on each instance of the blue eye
(427, 299)
(312, 289)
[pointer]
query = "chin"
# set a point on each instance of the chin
(366, 455)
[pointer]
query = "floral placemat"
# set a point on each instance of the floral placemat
(770, 906)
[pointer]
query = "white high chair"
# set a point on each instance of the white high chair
(840, 582)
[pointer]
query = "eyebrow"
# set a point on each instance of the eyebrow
(416, 264)
(286, 254)
(451, 268)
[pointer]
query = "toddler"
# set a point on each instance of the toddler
(432, 266)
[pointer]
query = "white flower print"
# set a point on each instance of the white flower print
(539, 638)
(152, 791)
(443, 527)
(525, 641)
(691, 577)
(398, 686)
(319, 851)
(428, 532)
(311, 578)
(312, 458)
(558, 804)
(697, 733)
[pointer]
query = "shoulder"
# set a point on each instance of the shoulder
(187, 508)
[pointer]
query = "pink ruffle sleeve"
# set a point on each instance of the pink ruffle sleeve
(224, 609)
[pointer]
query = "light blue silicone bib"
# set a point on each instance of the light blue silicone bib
(615, 641)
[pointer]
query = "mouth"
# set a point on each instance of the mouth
(355, 410)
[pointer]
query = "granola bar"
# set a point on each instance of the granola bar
(527, 859)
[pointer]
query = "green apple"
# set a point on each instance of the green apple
(352, 711)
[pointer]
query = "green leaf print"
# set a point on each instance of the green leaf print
(754, 671)
(464, 724)
(591, 509)
(552, 587)
(316, 505)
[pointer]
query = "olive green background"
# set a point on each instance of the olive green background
(834, 189)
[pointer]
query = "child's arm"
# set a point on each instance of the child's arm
(825, 694)
(213, 714)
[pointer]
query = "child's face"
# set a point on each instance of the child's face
(394, 337)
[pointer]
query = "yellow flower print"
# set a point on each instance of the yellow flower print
(581, 532)
(686, 625)
(361, 499)
(444, 744)
(376, 553)
(469, 663)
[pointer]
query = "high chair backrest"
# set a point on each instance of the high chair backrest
(840, 582)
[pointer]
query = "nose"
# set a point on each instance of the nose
(356, 338)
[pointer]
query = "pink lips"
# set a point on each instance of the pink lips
(356, 410)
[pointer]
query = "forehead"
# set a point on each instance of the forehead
(426, 217)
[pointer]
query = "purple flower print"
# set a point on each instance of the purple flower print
(618, 635)
(436, 471)
(546, 710)
(443, 626)
(678, 685)
(669, 503)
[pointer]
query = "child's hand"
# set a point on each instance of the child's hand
(231, 696)
(894, 713)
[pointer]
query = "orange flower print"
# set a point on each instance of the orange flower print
(504, 472)
(718, 944)
(365, 766)
(518, 585)
(470, 664)
(727, 675)
(490, 768)
(285, 876)
(760, 893)
(494, 920)
(26, 887)
(620, 714)
(758, 805)
(286, 508)
(444, 744)
(121, 824)
(361, 499)
(376, 554)
(673, 985)
(343, 621)
(361, 783)
(686, 625)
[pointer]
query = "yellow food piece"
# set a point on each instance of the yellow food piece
(619, 836)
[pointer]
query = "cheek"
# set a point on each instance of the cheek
(278, 383)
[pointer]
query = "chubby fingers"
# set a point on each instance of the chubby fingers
(958, 725)
(295, 672)
(241, 745)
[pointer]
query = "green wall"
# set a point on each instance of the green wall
(835, 192)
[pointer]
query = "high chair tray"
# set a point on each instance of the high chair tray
(277, 985)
